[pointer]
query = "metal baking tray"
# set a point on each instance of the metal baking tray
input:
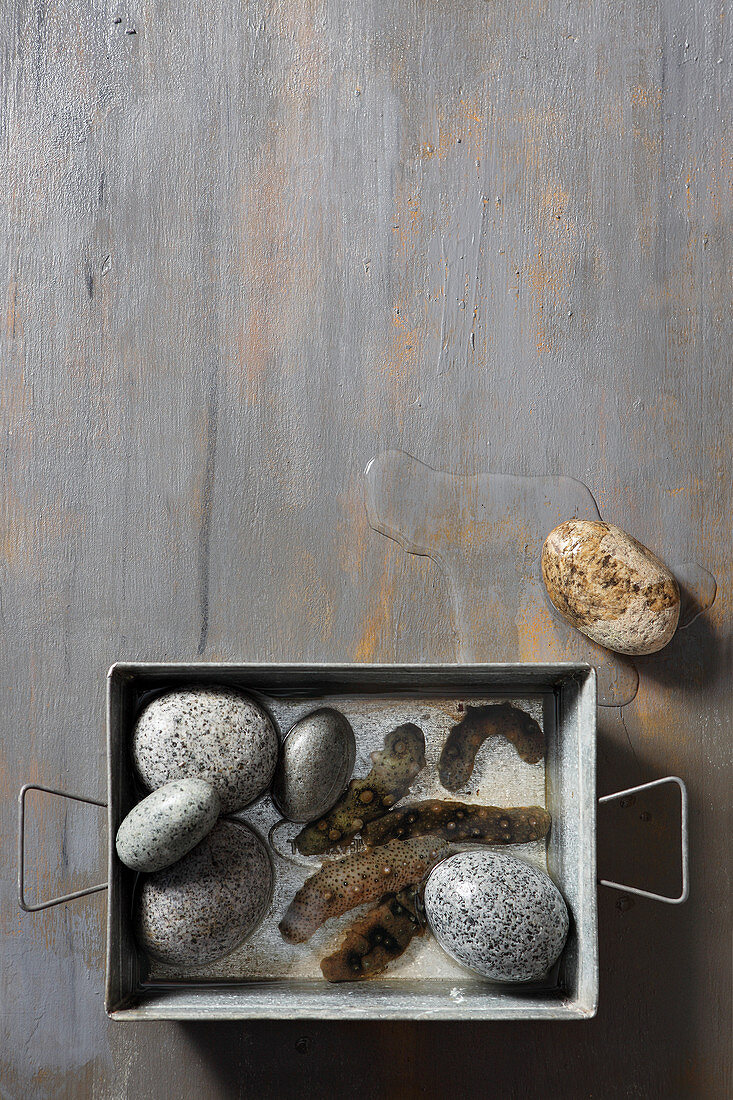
(261, 981)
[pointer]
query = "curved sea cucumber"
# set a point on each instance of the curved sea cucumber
(393, 769)
(342, 884)
(467, 736)
(373, 941)
(461, 821)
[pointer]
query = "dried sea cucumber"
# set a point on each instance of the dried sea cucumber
(460, 821)
(393, 769)
(493, 720)
(342, 884)
(373, 941)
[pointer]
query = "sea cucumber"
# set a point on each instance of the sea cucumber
(467, 736)
(460, 821)
(342, 884)
(393, 769)
(374, 940)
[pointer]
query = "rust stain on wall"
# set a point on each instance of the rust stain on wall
(461, 130)
(371, 644)
(353, 546)
(403, 354)
(307, 600)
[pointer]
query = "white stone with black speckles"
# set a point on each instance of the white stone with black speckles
(497, 915)
(205, 906)
(316, 761)
(167, 824)
(212, 733)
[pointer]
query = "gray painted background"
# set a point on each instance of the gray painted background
(246, 247)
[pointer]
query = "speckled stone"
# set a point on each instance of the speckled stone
(205, 906)
(610, 587)
(497, 915)
(167, 824)
(210, 733)
(316, 761)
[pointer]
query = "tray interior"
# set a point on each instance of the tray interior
(266, 976)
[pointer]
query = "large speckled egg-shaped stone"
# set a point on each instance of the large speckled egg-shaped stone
(497, 915)
(205, 906)
(610, 587)
(167, 824)
(212, 733)
(316, 761)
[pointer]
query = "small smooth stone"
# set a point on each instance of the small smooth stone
(212, 733)
(496, 915)
(610, 587)
(205, 906)
(316, 761)
(167, 824)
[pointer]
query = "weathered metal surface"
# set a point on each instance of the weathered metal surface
(244, 251)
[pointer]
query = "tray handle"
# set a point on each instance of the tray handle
(684, 842)
(26, 906)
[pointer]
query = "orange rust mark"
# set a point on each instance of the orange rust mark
(540, 133)
(548, 277)
(297, 27)
(646, 96)
(536, 632)
(408, 218)
(403, 346)
(353, 531)
(402, 358)
(370, 644)
(460, 130)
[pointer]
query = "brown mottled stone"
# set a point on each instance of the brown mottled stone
(611, 587)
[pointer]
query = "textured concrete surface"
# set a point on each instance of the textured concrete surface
(245, 248)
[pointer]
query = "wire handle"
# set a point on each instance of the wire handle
(684, 842)
(21, 850)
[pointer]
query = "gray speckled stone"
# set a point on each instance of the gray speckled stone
(210, 733)
(167, 824)
(316, 761)
(205, 906)
(497, 915)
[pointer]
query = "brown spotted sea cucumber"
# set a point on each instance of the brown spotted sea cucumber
(467, 736)
(342, 884)
(393, 769)
(373, 941)
(460, 821)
